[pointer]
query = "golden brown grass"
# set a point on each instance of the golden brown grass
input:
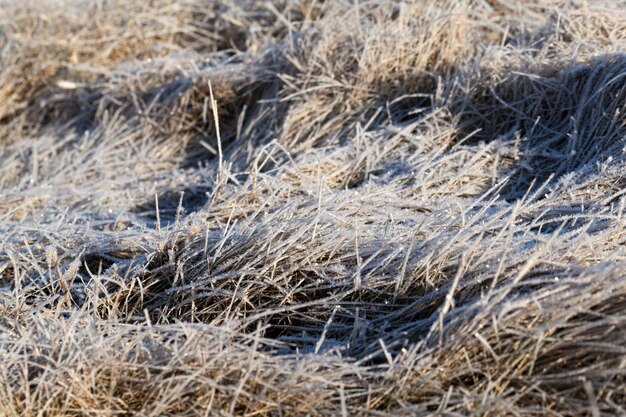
(312, 208)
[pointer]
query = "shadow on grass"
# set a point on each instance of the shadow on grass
(564, 121)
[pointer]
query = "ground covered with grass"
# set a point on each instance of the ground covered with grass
(238, 207)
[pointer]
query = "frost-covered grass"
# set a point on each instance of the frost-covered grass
(233, 207)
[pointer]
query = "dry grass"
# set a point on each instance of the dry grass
(312, 208)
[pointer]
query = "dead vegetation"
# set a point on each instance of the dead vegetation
(312, 208)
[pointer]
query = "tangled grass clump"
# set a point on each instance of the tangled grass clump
(238, 207)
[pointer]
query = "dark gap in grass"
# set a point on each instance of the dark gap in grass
(173, 204)
(567, 120)
(94, 263)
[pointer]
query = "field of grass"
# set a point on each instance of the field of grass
(308, 207)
